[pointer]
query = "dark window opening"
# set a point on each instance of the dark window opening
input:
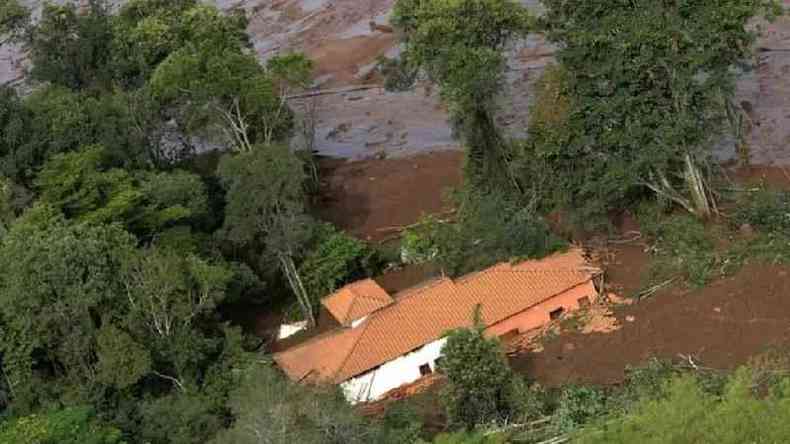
(425, 369)
(584, 302)
(556, 314)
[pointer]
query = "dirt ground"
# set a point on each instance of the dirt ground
(371, 198)
(721, 326)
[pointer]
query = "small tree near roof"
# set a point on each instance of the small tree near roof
(478, 377)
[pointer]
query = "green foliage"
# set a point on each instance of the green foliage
(146, 32)
(13, 200)
(75, 425)
(70, 49)
(173, 197)
(401, 424)
(578, 405)
(768, 211)
(265, 198)
(687, 414)
(478, 378)
(54, 120)
(464, 437)
(122, 361)
(288, 413)
(15, 122)
(419, 242)
(489, 228)
(80, 185)
(57, 280)
(458, 44)
(682, 248)
(335, 259)
(179, 419)
(75, 183)
(643, 87)
(14, 18)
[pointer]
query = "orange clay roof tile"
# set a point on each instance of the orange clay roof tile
(357, 300)
(423, 314)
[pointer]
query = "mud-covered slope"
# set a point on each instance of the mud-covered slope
(338, 35)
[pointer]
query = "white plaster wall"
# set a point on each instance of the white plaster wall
(287, 330)
(403, 370)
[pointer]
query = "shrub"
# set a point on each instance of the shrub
(765, 210)
(682, 247)
(690, 414)
(578, 405)
(490, 227)
(335, 260)
(478, 378)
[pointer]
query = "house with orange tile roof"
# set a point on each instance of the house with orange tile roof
(387, 341)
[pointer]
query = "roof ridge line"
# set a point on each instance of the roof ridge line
(421, 288)
(352, 349)
(347, 314)
(325, 335)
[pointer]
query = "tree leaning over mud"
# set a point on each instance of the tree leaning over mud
(648, 88)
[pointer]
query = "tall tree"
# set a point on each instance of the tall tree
(478, 378)
(459, 45)
(59, 283)
(266, 208)
(648, 87)
(270, 409)
(72, 49)
(226, 89)
(14, 18)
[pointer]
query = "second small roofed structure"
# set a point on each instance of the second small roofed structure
(385, 342)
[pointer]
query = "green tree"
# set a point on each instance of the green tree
(169, 295)
(59, 282)
(122, 360)
(72, 49)
(688, 414)
(54, 120)
(146, 32)
(334, 260)
(266, 208)
(227, 89)
(74, 425)
(463, 437)
(459, 45)
(82, 186)
(646, 90)
(14, 18)
(269, 408)
(489, 228)
(77, 184)
(14, 128)
(478, 378)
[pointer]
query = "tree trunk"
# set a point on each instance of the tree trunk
(295, 281)
(700, 197)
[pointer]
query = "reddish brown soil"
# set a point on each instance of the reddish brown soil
(770, 176)
(721, 325)
(407, 277)
(372, 198)
(342, 58)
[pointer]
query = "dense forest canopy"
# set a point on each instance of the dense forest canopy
(148, 182)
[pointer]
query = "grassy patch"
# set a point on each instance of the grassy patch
(682, 247)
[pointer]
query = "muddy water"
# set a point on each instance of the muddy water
(376, 123)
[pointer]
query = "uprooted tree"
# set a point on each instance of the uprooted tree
(641, 95)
